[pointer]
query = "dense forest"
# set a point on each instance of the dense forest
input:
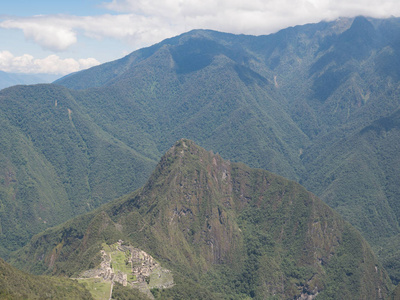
(317, 104)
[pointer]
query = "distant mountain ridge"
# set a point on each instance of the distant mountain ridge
(315, 103)
(237, 232)
(10, 79)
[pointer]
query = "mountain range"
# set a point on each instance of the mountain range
(316, 103)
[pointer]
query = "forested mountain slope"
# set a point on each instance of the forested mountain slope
(15, 284)
(300, 103)
(305, 93)
(226, 231)
(56, 162)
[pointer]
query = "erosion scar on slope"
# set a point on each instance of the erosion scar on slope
(69, 114)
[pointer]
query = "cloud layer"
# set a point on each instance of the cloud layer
(49, 65)
(58, 32)
(252, 16)
(143, 22)
(52, 33)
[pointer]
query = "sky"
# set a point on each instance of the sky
(60, 37)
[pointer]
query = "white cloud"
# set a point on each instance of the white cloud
(137, 30)
(142, 22)
(52, 64)
(51, 33)
(59, 32)
(252, 16)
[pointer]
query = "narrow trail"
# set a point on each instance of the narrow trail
(111, 290)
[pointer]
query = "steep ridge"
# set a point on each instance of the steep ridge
(56, 162)
(366, 171)
(223, 229)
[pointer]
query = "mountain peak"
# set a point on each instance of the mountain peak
(188, 149)
(188, 167)
(361, 22)
(207, 218)
(184, 147)
(362, 30)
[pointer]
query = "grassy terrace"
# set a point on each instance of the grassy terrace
(160, 278)
(119, 260)
(99, 288)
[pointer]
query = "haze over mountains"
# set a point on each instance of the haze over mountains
(316, 103)
(10, 79)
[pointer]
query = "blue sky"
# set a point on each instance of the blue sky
(60, 37)
(47, 7)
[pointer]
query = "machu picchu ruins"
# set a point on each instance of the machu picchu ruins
(129, 266)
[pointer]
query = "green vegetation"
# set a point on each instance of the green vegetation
(363, 185)
(98, 288)
(126, 293)
(301, 108)
(396, 294)
(15, 284)
(316, 103)
(186, 289)
(226, 231)
(119, 259)
(56, 163)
